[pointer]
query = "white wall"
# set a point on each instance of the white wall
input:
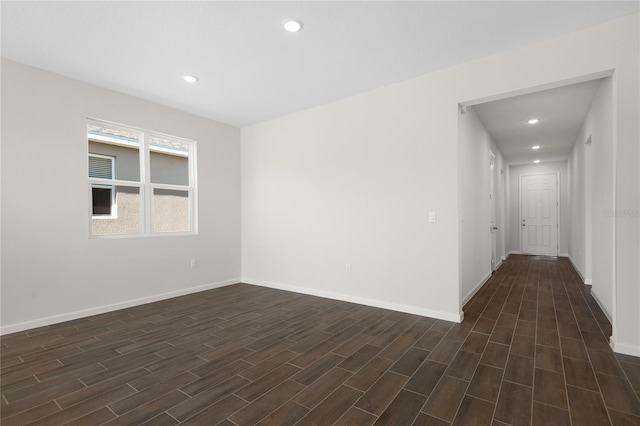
(352, 181)
(626, 321)
(347, 184)
(49, 263)
(514, 173)
(475, 143)
(604, 211)
(596, 160)
(577, 211)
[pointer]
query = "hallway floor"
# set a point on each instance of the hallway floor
(531, 350)
(558, 368)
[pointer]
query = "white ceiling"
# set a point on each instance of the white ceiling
(250, 69)
(561, 112)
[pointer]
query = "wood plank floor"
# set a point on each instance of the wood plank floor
(531, 350)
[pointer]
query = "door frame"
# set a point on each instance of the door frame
(493, 213)
(520, 176)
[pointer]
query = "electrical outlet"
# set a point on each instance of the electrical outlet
(347, 268)
(194, 263)
(432, 217)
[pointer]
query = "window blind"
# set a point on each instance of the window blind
(100, 167)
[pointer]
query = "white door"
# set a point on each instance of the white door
(539, 214)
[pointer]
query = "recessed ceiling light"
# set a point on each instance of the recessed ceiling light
(536, 161)
(535, 147)
(292, 25)
(533, 121)
(190, 78)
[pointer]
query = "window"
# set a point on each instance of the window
(141, 182)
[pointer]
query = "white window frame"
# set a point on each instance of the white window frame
(145, 186)
(114, 206)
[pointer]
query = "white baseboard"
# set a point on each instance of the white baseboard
(563, 254)
(633, 350)
(587, 281)
(498, 265)
(513, 252)
(475, 289)
(55, 319)
(606, 313)
(506, 257)
(410, 309)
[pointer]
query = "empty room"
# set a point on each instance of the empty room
(320, 213)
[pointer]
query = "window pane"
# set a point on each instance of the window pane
(169, 161)
(103, 199)
(170, 210)
(125, 210)
(122, 146)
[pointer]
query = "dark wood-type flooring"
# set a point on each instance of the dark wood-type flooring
(531, 350)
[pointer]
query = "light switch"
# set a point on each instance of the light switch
(432, 216)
